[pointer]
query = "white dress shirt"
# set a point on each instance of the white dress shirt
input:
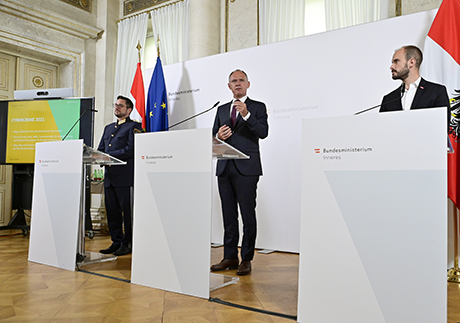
(409, 95)
(243, 99)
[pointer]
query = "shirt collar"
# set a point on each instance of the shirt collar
(416, 83)
(243, 99)
(119, 122)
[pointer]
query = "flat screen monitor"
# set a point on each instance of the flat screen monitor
(24, 123)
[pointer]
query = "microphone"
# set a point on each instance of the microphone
(194, 116)
(81, 116)
(403, 89)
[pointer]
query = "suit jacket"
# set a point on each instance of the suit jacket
(245, 137)
(118, 141)
(428, 95)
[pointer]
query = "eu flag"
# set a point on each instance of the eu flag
(157, 101)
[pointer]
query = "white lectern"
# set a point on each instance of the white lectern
(374, 218)
(56, 203)
(57, 235)
(172, 209)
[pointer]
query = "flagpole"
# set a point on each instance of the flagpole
(137, 90)
(158, 45)
(139, 50)
(453, 275)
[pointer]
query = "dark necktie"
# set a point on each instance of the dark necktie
(233, 115)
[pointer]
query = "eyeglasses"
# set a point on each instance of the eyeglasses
(116, 105)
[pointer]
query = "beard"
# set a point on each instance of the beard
(402, 74)
(119, 114)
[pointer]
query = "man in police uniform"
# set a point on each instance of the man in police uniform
(118, 141)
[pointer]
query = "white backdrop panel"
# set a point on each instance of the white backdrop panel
(56, 203)
(373, 221)
(330, 74)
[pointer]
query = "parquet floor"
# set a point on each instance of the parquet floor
(31, 292)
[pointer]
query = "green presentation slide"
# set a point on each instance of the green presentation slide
(30, 122)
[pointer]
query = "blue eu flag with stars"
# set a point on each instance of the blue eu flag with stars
(157, 101)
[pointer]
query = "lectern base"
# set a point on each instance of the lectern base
(453, 275)
(218, 281)
(95, 258)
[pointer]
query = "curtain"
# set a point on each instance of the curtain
(130, 32)
(344, 13)
(281, 20)
(170, 25)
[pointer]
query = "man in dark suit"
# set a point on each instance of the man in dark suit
(414, 92)
(118, 141)
(241, 123)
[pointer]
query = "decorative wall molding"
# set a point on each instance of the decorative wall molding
(398, 8)
(4, 68)
(2, 203)
(82, 4)
(73, 56)
(2, 175)
(49, 19)
(36, 33)
(37, 75)
(133, 6)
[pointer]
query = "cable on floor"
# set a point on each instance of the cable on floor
(215, 300)
(287, 316)
(105, 276)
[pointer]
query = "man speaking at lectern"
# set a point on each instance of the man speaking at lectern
(118, 141)
(414, 92)
(241, 123)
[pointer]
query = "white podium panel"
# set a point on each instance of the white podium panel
(56, 203)
(172, 211)
(374, 218)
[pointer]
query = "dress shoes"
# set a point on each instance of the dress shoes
(123, 250)
(111, 249)
(244, 268)
(225, 264)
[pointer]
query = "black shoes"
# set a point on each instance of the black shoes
(114, 247)
(117, 250)
(123, 250)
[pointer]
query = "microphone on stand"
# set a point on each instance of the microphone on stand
(403, 89)
(194, 116)
(81, 116)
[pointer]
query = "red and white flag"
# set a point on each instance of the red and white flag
(442, 65)
(138, 94)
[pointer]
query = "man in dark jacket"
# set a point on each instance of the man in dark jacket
(118, 141)
(241, 123)
(414, 92)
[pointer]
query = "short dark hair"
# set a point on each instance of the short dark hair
(237, 70)
(414, 52)
(129, 103)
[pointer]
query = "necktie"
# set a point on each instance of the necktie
(233, 115)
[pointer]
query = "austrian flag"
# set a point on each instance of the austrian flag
(138, 94)
(442, 65)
